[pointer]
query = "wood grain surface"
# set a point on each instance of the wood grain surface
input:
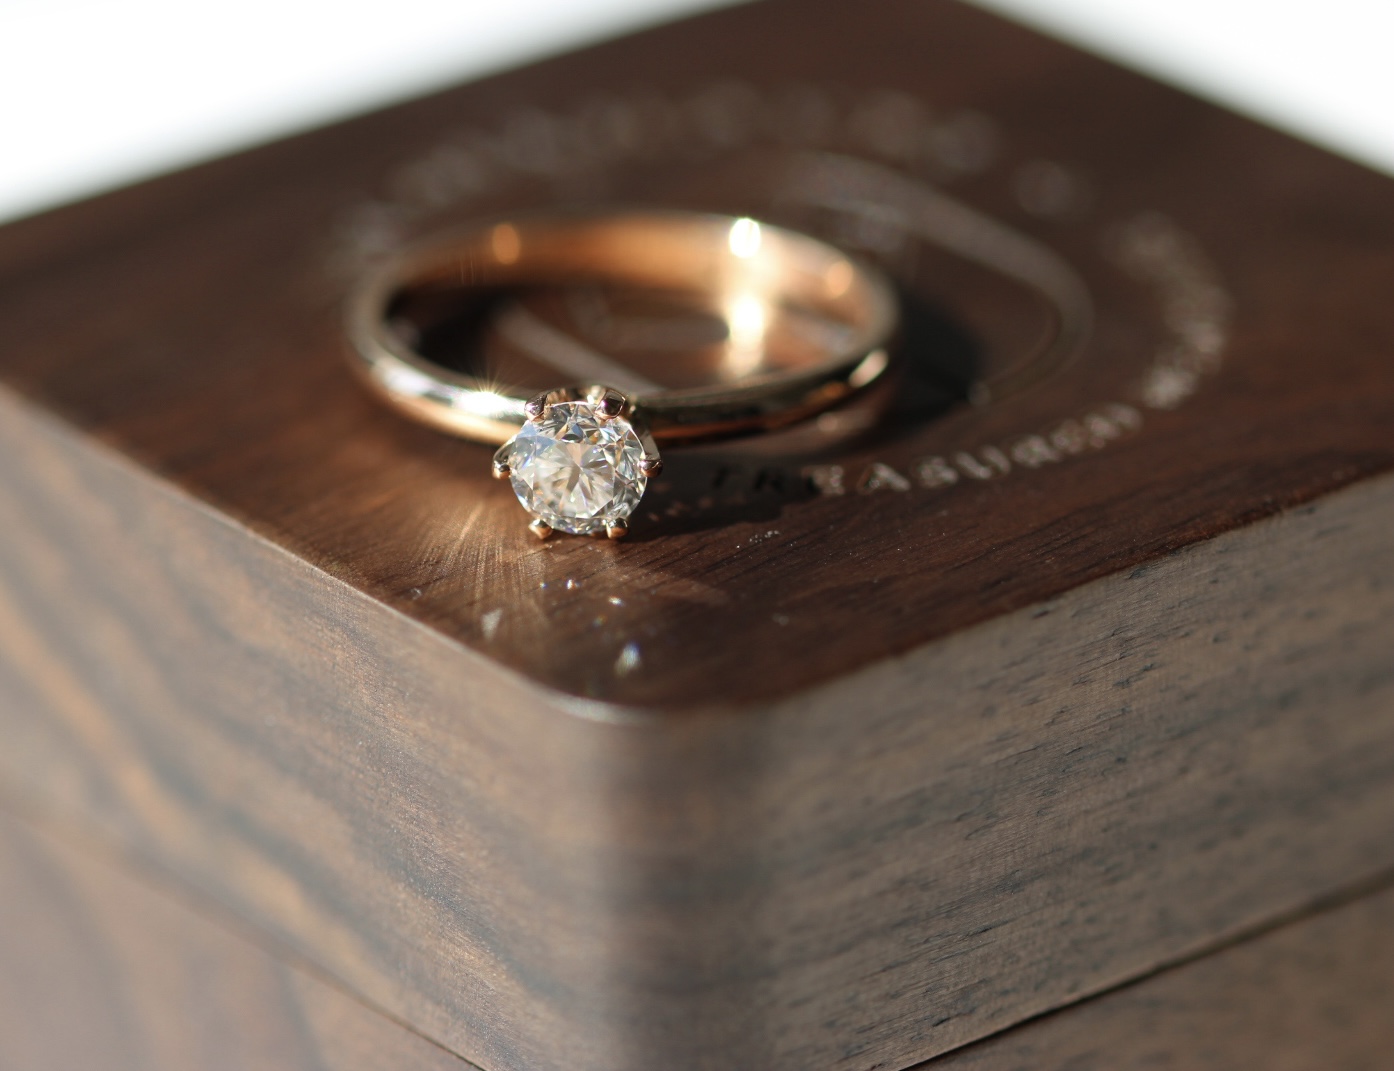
(790, 780)
(1316, 993)
(897, 864)
(200, 311)
(101, 970)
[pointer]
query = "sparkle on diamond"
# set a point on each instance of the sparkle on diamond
(576, 472)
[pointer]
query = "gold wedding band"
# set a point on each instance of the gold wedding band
(579, 456)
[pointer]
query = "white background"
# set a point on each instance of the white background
(94, 93)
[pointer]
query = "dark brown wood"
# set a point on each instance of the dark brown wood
(1316, 993)
(100, 969)
(899, 863)
(788, 780)
(197, 311)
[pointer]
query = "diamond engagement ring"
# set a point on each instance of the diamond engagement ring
(579, 457)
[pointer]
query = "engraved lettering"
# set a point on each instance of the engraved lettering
(1188, 358)
(803, 115)
(768, 479)
(1166, 387)
(1050, 190)
(1101, 430)
(1195, 307)
(726, 113)
(826, 479)
(1033, 451)
(374, 228)
(612, 126)
(448, 174)
(965, 144)
(531, 144)
(935, 472)
(996, 459)
(594, 138)
(881, 477)
(1070, 438)
(889, 124)
(1125, 416)
(971, 466)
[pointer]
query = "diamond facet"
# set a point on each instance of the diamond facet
(577, 470)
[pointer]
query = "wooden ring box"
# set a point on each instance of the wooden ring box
(842, 761)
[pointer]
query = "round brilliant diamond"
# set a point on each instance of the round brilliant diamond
(575, 471)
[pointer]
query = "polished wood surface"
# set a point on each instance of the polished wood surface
(198, 311)
(100, 967)
(902, 862)
(1315, 993)
(103, 970)
(789, 780)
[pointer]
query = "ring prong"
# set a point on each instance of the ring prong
(501, 467)
(536, 406)
(540, 528)
(609, 403)
(617, 529)
(650, 463)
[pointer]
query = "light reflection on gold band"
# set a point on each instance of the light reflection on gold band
(747, 269)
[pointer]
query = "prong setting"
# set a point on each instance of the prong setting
(580, 462)
(609, 403)
(536, 407)
(502, 467)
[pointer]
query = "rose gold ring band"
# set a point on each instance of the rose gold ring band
(746, 270)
